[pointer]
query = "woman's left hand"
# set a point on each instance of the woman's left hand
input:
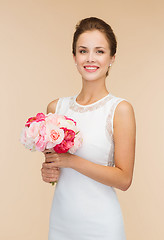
(59, 160)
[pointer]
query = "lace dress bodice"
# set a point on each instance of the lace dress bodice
(96, 121)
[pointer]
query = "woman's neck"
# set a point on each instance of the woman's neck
(92, 90)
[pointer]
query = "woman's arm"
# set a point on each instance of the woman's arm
(124, 135)
(125, 139)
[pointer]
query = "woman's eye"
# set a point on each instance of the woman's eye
(100, 51)
(82, 51)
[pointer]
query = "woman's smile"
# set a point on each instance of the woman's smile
(91, 68)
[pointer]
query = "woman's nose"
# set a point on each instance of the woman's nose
(90, 57)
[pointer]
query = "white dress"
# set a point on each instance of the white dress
(82, 208)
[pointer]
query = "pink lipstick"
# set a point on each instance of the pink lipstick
(90, 68)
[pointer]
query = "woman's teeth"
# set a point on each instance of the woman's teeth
(91, 68)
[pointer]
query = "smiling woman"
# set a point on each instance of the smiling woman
(92, 24)
(85, 204)
(89, 52)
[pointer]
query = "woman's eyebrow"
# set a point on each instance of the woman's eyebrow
(86, 47)
(99, 47)
(82, 47)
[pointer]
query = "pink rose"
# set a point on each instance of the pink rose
(26, 140)
(42, 130)
(39, 117)
(33, 130)
(54, 135)
(67, 142)
(63, 147)
(52, 118)
(69, 134)
(40, 141)
(40, 144)
(77, 143)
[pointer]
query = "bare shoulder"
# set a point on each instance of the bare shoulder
(124, 114)
(51, 108)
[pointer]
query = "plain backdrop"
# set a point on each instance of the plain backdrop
(36, 67)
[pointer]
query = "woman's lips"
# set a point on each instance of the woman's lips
(90, 68)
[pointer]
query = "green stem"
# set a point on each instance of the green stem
(53, 183)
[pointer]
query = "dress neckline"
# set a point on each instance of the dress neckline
(92, 104)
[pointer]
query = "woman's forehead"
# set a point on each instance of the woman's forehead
(92, 38)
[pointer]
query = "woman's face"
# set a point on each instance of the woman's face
(93, 55)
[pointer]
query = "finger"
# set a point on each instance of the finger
(52, 158)
(49, 160)
(51, 165)
(50, 154)
(44, 166)
(51, 179)
(50, 171)
(50, 175)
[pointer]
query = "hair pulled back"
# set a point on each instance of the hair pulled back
(93, 23)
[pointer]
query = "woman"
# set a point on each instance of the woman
(85, 204)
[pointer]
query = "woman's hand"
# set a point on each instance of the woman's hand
(59, 160)
(53, 162)
(50, 174)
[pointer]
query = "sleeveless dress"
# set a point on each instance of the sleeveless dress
(82, 208)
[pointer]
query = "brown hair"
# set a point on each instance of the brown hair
(93, 23)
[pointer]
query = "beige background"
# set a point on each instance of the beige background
(37, 66)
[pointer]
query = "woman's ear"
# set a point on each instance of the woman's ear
(74, 57)
(113, 58)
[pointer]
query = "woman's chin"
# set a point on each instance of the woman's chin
(93, 77)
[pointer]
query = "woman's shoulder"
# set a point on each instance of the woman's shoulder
(53, 104)
(51, 107)
(124, 114)
(123, 106)
(122, 109)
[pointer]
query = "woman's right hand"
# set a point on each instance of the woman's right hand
(49, 174)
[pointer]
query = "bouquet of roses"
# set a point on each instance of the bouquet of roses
(51, 131)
